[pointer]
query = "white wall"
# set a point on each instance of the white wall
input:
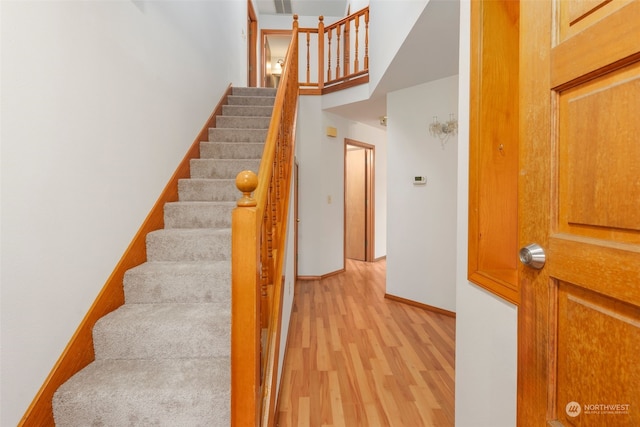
(100, 101)
(321, 193)
(421, 242)
(486, 326)
(289, 281)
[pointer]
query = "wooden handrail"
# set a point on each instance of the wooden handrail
(343, 57)
(259, 227)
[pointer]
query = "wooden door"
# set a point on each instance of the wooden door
(355, 200)
(252, 42)
(359, 200)
(579, 198)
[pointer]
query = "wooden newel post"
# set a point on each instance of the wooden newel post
(246, 182)
(320, 52)
(245, 307)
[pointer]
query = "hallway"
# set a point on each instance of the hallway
(355, 358)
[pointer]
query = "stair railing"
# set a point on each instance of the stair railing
(342, 59)
(259, 228)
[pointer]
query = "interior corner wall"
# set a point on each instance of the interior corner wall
(486, 326)
(321, 190)
(395, 19)
(321, 227)
(421, 243)
(100, 101)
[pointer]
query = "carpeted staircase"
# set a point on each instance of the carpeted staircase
(162, 359)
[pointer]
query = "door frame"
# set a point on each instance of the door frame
(370, 158)
(252, 40)
(263, 45)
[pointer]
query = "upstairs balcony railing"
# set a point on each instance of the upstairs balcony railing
(335, 56)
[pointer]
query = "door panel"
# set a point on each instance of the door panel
(600, 185)
(588, 323)
(579, 321)
(355, 203)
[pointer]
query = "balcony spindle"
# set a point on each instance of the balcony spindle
(356, 62)
(338, 31)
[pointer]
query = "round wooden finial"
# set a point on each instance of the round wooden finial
(320, 18)
(247, 182)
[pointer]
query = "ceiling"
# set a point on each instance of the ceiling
(430, 52)
(302, 7)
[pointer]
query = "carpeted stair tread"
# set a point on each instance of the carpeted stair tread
(167, 331)
(247, 110)
(231, 150)
(198, 214)
(208, 190)
(178, 282)
(242, 122)
(189, 245)
(254, 91)
(264, 101)
(173, 392)
(222, 168)
(237, 135)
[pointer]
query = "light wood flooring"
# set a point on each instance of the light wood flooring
(354, 358)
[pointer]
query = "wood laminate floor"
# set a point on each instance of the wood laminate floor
(354, 358)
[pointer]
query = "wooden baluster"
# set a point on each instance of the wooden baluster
(356, 62)
(328, 54)
(264, 273)
(308, 58)
(320, 52)
(338, 31)
(347, 48)
(366, 40)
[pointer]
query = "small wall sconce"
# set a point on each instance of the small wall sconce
(277, 70)
(443, 130)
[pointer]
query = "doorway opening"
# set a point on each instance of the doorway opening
(359, 224)
(275, 44)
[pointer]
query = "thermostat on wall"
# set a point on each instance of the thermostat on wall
(419, 180)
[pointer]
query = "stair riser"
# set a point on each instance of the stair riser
(172, 245)
(167, 331)
(208, 190)
(178, 283)
(234, 150)
(221, 168)
(241, 122)
(235, 135)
